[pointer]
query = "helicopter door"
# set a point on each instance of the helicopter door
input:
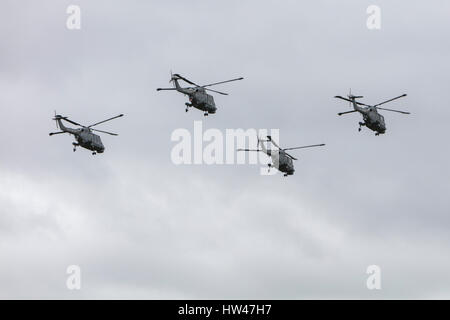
(96, 140)
(210, 100)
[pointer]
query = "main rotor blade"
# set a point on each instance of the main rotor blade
(248, 150)
(360, 103)
(403, 95)
(72, 122)
(404, 112)
(56, 122)
(273, 142)
(290, 156)
(120, 115)
(341, 113)
(113, 134)
(213, 84)
(313, 145)
(159, 89)
(53, 133)
(188, 81)
(225, 94)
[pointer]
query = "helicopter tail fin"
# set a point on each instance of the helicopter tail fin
(261, 144)
(174, 78)
(353, 98)
(59, 124)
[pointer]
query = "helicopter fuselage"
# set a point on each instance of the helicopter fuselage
(201, 100)
(85, 138)
(280, 158)
(372, 119)
(198, 98)
(89, 140)
(285, 163)
(281, 161)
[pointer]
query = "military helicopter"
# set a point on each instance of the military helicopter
(372, 119)
(198, 98)
(84, 136)
(280, 158)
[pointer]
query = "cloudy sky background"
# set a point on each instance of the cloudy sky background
(141, 227)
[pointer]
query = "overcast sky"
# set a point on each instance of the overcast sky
(141, 227)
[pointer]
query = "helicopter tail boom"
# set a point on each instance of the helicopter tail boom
(59, 123)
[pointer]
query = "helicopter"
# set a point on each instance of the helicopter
(84, 136)
(198, 98)
(372, 119)
(280, 158)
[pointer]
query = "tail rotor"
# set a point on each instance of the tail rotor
(352, 97)
(56, 118)
(349, 96)
(174, 77)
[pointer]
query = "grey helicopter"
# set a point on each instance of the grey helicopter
(198, 98)
(84, 135)
(281, 160)
(371, 118)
